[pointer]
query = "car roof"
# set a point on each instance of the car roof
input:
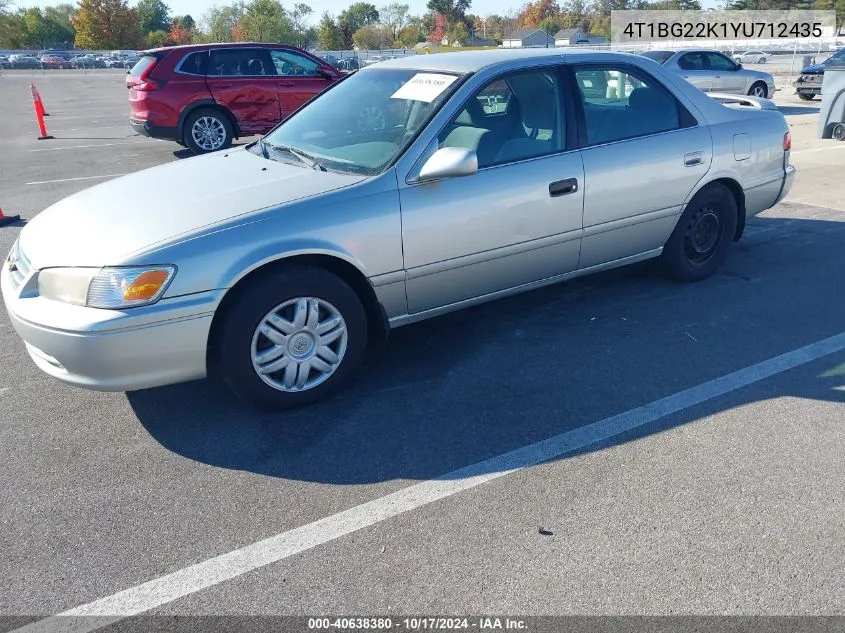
(474, 61)
(202, 47)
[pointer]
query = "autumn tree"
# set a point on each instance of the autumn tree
(439, 31)
(327, 36)
(533, 13)
(106, 24)
(178, 34)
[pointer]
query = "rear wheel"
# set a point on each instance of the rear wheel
(805, 96)
(762, 60)
(839, 132)
(207, 130)
(759, 89)
(291, 338)
(702, 237)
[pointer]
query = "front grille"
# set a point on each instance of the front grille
(20, 267)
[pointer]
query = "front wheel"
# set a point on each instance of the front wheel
(759, 90)
(702, 237)
(839, 132)
(291, 338)
(207, 130)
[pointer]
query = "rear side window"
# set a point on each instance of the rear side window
(145, 62)
(195, 64)
(240, 62)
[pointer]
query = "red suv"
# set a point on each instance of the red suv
(204, 96)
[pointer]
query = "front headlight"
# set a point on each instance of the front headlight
(110, 288)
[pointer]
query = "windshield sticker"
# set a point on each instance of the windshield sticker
(424, 87)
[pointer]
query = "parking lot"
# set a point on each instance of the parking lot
(616, 445)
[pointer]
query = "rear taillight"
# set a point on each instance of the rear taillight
(147, 86)
(787, 141)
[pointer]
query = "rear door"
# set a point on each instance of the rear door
(643, 154)
(299, 79)
(244, 80)
(696, 70)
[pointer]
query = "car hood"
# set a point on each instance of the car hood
(812, 69)
(104, 224)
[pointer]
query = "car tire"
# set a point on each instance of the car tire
(762, 60)
(759, 87)
(806, 97)
(838, 132)
(207, 130)
(703, 235)
(246, 341)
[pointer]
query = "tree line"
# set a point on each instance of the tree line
(115, 24)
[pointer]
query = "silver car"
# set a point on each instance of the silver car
(714, 71)
(277, 264)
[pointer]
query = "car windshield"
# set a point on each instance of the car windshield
(659, 56)
(362, 124)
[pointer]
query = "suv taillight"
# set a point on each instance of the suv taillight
(147, 85)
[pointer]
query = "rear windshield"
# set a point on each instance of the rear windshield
(659, 56)
(145, 62)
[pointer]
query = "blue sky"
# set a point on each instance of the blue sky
(197, 8)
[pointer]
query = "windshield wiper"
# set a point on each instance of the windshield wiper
(302, 156)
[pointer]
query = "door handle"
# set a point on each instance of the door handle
(287, 83)
(223, 85)
(563, 187)
(693, 158)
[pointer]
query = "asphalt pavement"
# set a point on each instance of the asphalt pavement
(619, 444)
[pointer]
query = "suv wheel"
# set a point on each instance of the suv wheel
(207, 130)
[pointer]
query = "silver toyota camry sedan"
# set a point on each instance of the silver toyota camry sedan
(411, 188)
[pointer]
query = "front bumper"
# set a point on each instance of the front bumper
(110, 350)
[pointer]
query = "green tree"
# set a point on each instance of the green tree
(360, 14)
(452, 10)
(218, 21)
(373, 37)
(344, 34)
(298, 19)
(551, 26)
(395, 16)
(186, 22)
(156, 39)
(155, 15)
(458, 34)
(12, 28)
(105, 24)
(327, 36)
(410, 36)
(266, 21)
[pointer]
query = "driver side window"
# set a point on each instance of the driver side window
(720, 62)
(513, 118)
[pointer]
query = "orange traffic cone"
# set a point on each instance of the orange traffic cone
(39, 113)
(40, 100)
(8, 219)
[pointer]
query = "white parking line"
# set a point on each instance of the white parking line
(79, 129)
(55, 149)
(47, 182)
(840, 145)
(89, 116)
(212, 571)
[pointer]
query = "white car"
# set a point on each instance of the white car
(751, 57)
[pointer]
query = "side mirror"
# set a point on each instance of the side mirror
(738, 65)
(449, 162)
(327, 74)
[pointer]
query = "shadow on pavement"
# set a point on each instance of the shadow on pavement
(473, 384)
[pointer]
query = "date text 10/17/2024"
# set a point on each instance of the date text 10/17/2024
(418, 624)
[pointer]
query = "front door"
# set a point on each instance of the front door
(244, 81)
(299, 79)
(726, 76)
(643, 154)
(518, 219)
